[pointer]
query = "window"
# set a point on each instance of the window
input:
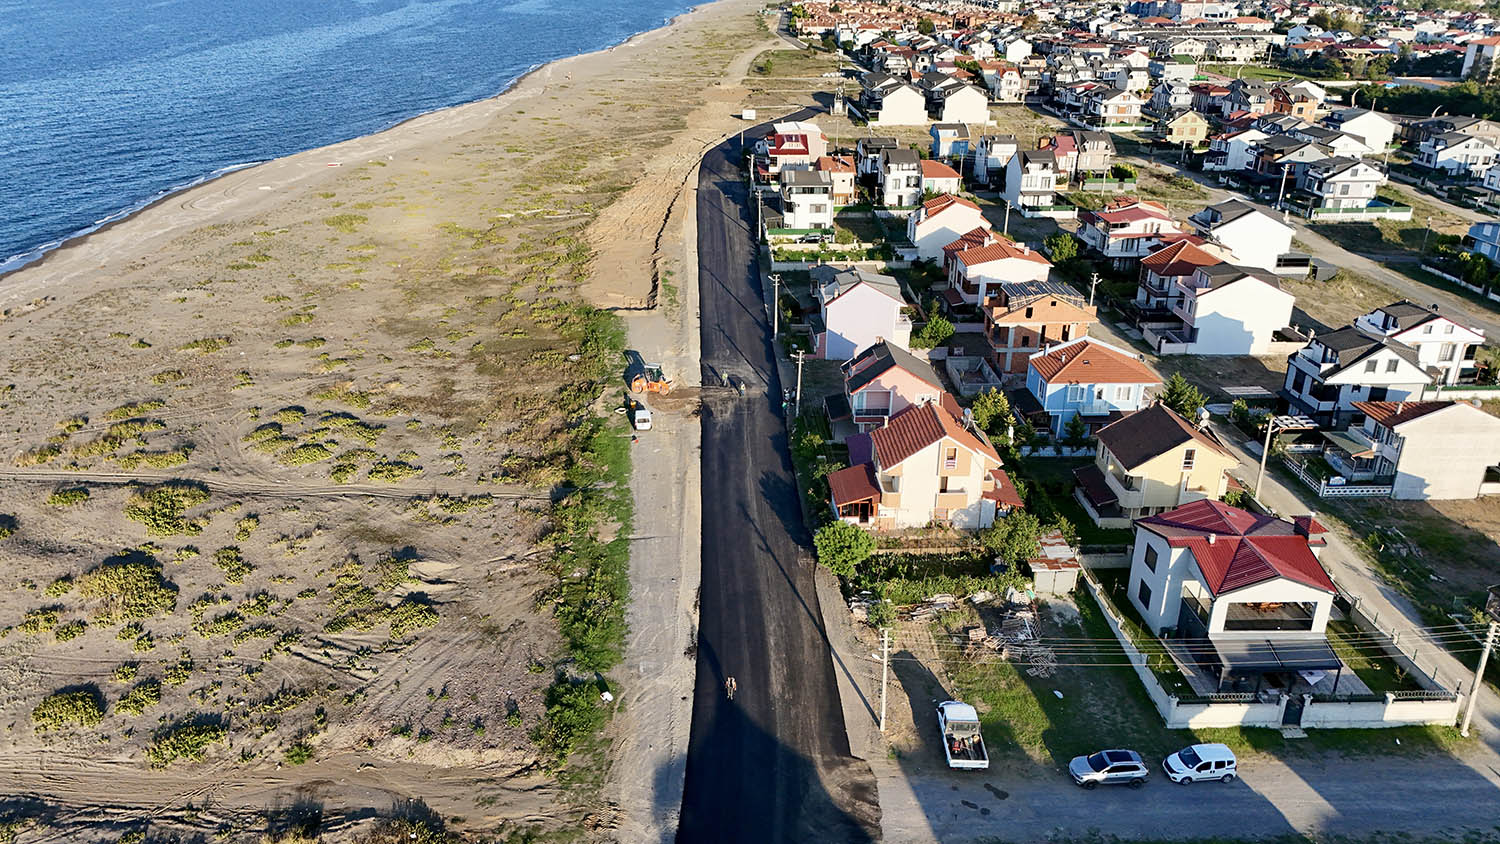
(1448, 329)
(1446, 353)
(1075, 393)
(1151, 557)
(1122, 393)
(818, 208)
(1143, 594)
(942, 484)
(950, 459)
(1029, 312)
(1188, 458)
(1427, 329)
(1371, 364)
(1026, 342)
(1390, 365)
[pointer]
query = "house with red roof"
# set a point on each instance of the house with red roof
(974, 270)
(1244, 592)
(1424, 450)
(939, 178)
(941, 220)
(1162, 270)
(928, 464)
(1089, 378)
(794, 145)
(1128, 229)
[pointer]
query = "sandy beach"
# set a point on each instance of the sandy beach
(357, 359)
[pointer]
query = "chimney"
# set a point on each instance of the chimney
(1400, 406)
(1212, 537)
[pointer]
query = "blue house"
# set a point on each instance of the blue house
(1088, 378)
(1486, 240)
(949, 140)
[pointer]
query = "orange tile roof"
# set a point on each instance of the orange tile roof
(1088, 362)
(1393, 413)
(1178, 259)
(976, 237)
(918, 427)
(940, 203)
(835, 164)
(937, 170)
(1000, 250)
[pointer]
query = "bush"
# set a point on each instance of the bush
(992, 413)
(841, 547)
(71, 630)
(232, 563)
(299, 753)
(59, 587)
(8, 525)
(145, 695)
(129, 587)
(1062, 246)
(392, 471)
(83, 708)
(68, 497)
(38, 621)
(162, 508)
(184, 741)
(1014, 539)
(573, 713)
(1183, 397)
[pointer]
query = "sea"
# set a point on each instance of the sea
(109, 105)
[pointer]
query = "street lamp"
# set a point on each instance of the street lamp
(1492, 607)
(1276, 424)
(1285, 169)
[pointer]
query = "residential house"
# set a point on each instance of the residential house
(925, 466)
(1210, 99)
(867, 153)
(1022, 318)
(1169, 97)
(1088, 378)
(1031, 181)
(1151, 461)
(1171, 70)
(1430, 450)
(939, 178)
(794, 145)
(1007, 84)
(1374, 128)
(992, 154)
(949, 140)
(1252, 96)
(1287, 100)
(901, 178)
(1420, 132)
(1253, 237)
(1223, 309)
(1188, 128)
(939, 221)
(1112, 107)
(1082, 153)
(1341, 183)
(1233, 151)
(1484, 239)
(1283, 158)
(961, 103)
(1457, 154)
(973, 272)
(882, 381)
(1164, 270)
(1245, 590)
(1237, 50)
(1127, 229)
(1479, 58)
(841, 174)
(1444, 346)
(857, 309)
(806, 199)
(889, 101)
(1333, 371)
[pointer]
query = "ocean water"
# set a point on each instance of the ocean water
(106, 105)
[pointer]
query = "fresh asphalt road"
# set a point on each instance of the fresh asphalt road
(773, 764)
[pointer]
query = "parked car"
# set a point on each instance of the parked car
(1109, 767)
(1201, 762)
(813, 237)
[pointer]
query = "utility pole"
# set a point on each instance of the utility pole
(1093, 283)
(1006, 229)
(1492, 606)
(885, 670)
(775, 305)
(800, 356)
(1425, 233)
(1285, 169)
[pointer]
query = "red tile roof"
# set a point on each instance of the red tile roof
(999, 251)
(856, 483)
(918, 427)
(1393, 413)
(937, 170)
(1235, 548)
(1005, 492)
(835, 164)
(969, 240)
(1089, 362)
(941, 203)
(1178, 259)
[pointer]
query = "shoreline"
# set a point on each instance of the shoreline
(130, 211)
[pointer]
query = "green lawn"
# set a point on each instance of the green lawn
(1250, 71)
(1372, 665)
(1050, 482)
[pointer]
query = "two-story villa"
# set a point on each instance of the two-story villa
(940, 221)
(1031, 182)
(1088, 378)
(857, 308)
(806, 199)
(1341, 183)
(884, 380)
(1442, 343)
(1253, 237)
(1333, 371)
(1161, 272)
(1022, 318)
(900, 178)
(1223, 309)
(1128, 229)
(972, 272)
(1425, 450)
(1151, 461)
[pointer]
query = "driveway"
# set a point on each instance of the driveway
(774, 763)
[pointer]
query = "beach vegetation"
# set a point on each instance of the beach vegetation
(392, 471)
(246, 526)
(69, 630)
(140, 698)
(306, 453)
(38, 456)
(125, 411)
(59, 587)
(206, 345)
(60, 710)
(125, 672)
(232, 563)
(189, 740)
(156, 459)
(347, 394)
(346, 223)
(162, 509)
(128, 586)
(40, 620)
(73, 424)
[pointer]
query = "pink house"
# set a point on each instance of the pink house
(882, 381)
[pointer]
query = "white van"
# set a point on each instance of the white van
(1201, 762)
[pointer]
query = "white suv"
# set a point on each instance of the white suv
(1201, 762)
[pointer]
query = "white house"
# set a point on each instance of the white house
(1089, 378)
(1457, 153)
(1436, 450)
(1215, 572)
(1224, 310)
(1443, 344)
(1233, 152)
(859, 308)
(1128, 229)
(888, 101)
(1374, 128)
(939, 222)
(1341, 183)
(939, 178)
(1254, 238)
(794, 144)
(992, 154)
(901, 178)
(1333, 371)
(973, 271)
(1031, 181)
(962, 103)
(806, 199)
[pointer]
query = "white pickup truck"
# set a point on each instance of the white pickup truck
(962, 743)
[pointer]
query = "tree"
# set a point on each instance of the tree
(1076, 431)
(1030, 22)
(933, 333)
(1183, 397)
(1062, 246)
(841, 547)
(991, 411)
(926, 26)
(1013, 539)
